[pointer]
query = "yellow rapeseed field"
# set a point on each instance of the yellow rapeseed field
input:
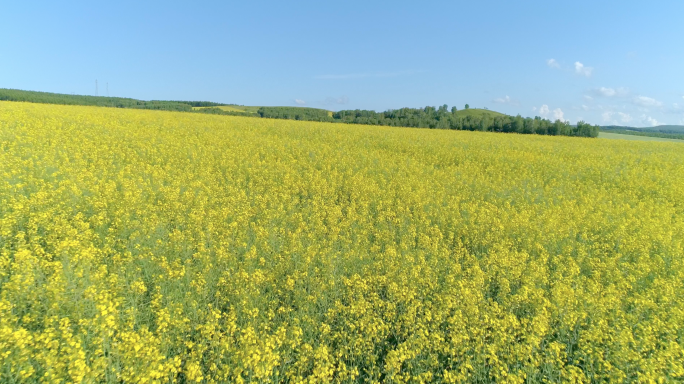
(154, 247)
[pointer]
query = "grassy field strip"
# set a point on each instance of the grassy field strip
(617, 136)
(231, 108)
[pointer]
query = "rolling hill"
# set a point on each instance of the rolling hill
(658, 128)
(479, 113)
(255, 109)
(427, 117)
(675, 132)
(97, 101)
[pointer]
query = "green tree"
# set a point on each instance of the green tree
(518, 124)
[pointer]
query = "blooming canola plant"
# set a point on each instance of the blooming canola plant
(145, 246)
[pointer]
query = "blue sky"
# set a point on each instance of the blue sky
(607, 62)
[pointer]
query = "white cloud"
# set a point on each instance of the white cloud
(649, 120)
(552, 63)
(558, 114)
(300, 102)
(584, 107)
(644, 101)
(534, 109)
(624, 117)
(675, 109)
(580, 69)
(505, 100)
(588, 98)
(544, 110)
(610, 92)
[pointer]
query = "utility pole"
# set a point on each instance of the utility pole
(95, 87)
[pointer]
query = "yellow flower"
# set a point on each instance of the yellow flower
(158, 247)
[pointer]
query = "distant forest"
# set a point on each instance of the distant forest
(442, 118)
(296, 113)
(200, 103)
(428, 117)
(665, 131)
(99, 101)
(437, 118)
(217, 111)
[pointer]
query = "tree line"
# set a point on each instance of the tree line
(296, 113)
(648, 132)
(201, 103)
(428, 117)
(438, 118)
(99, 101)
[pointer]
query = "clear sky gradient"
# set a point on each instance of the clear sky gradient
(606, 62)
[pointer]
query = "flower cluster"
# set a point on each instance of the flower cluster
(159, 247)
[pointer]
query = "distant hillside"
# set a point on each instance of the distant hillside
(354, 116)
(659, 128)
(233, 108)
(670, 128)
(641, 136)
(468, 119)
(99, 101)
(269, 112)
(428, 117)
(661, 131)
(168, 105)
(479, 113)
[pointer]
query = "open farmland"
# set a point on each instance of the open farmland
(611, 135)
(233, 108)
(146, 246)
